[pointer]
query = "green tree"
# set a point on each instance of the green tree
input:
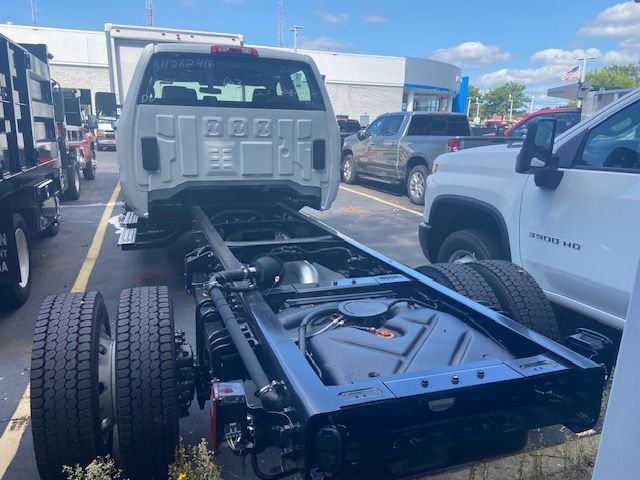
(615, 76)
(474, 92)
(496, 101)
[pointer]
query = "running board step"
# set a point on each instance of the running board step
(130, 220)
(127, 238)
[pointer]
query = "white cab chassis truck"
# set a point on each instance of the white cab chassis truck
(342, 362)
(570, 218)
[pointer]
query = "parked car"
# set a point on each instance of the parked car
(566, 118)
(347, 127)
(569, 217)
(399, 148)
(479, 129)
(106, 134)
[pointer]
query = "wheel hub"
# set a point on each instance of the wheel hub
(416, 185)
(347, 169)
(462, 256)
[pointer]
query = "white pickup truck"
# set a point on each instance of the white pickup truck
(570, 217)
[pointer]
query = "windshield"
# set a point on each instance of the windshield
(204, 80)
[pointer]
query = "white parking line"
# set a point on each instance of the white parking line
(380, 200)
(10, 440)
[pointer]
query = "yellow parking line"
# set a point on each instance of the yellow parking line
(10, 440)
(82, 279)
(380, 200)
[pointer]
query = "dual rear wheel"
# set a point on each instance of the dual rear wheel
(502, 286)
(86, 385)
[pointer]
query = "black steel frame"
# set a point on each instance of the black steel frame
(547, 384)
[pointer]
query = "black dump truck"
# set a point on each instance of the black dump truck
(308, 346)
(30, 164)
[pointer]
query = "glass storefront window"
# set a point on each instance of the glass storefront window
(425, 102)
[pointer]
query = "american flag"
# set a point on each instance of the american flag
(572, 74)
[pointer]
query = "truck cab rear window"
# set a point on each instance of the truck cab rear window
(438, 125)
(202, 80)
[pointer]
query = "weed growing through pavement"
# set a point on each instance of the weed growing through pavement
(191, 463)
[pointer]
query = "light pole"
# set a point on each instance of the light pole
(533, 95)
(295, 29)
(477, 109)
(510, 107)
(468, 105)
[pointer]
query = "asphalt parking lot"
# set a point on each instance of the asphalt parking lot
(379, 217)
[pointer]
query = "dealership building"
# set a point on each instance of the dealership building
(360, 86)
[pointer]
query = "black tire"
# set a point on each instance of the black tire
(146, 382)
(417, 184)
(16, 294)
(520, 296)
(53, 229)
(89, 171)
(463, 280)
(73, 182)
(473, 243)
(66, 417)
(349, 170)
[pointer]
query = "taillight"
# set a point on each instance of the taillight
(233, 50)
(453, 144)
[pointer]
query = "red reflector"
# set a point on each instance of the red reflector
(233, 50)
(453, 145)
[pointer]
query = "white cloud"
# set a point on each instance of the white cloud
(554, 63)
(374, 19)
(620, 21)
(557, 56)
(526, 76)
(471, 54)
(322, 43)
(333, 18)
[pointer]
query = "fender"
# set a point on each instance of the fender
(405, 169)
(469, 204)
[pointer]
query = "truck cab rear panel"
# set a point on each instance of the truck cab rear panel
(198, 119)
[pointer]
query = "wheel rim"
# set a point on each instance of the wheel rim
(347, 169)
(23, 257)
(416, 185)
(462, 256)
(106, 384)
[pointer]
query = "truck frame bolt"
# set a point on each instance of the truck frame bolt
(455, 379)
(424, 383)
(480, 373)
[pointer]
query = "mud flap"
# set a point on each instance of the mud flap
(9, 268)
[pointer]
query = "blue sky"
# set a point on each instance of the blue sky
(493, 41)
